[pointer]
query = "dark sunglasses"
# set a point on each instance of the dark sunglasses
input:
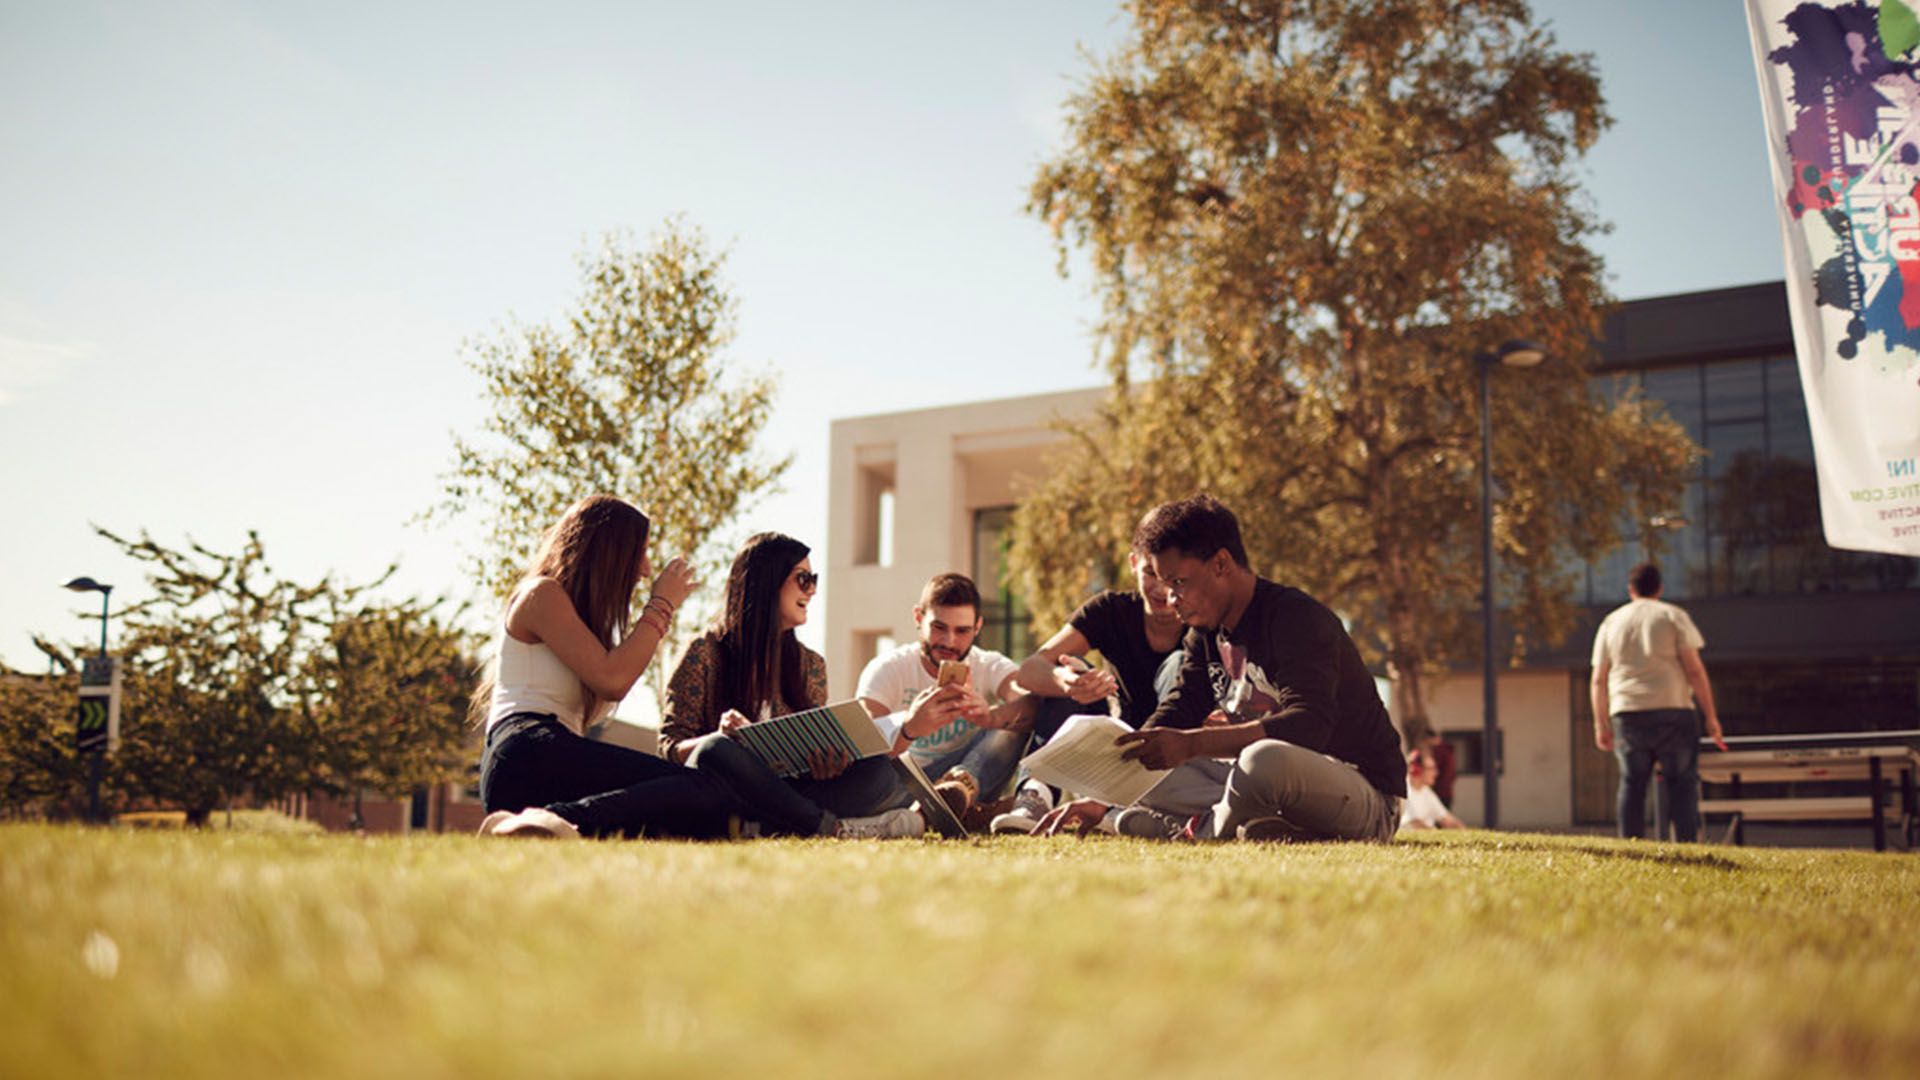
(807, 580)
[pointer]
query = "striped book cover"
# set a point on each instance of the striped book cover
(786, 742)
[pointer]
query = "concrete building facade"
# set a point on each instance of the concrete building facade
(914, 494)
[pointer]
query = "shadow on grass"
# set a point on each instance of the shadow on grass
(1667, 856)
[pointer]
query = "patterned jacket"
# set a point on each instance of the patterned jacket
(693, 692)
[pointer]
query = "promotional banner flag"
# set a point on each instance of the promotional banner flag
(1840, 86)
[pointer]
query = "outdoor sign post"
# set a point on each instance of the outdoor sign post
(99, 721)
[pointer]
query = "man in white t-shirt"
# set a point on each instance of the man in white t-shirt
(971, 755)
(1647, 675)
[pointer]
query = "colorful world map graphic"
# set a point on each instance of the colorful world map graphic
(1855, 147)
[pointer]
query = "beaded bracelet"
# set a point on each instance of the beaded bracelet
(660, 627)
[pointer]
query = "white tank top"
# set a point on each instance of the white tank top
(530, 679)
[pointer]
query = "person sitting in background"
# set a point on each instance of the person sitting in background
(563, 657)
(1445, 767)
(1424, 808)
(750, 667)
(969, 747)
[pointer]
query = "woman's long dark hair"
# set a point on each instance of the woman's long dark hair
(759, 663)
(594, 551)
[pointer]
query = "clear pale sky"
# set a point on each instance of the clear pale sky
(241, 244)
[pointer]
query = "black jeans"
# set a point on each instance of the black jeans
(532, 759)
(1672, 738)
(802, 806)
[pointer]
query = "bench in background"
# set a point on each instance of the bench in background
(1887, 768)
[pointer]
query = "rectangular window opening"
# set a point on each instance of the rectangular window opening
(874, 511)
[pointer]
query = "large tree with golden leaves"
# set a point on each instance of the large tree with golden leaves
(1305, 218)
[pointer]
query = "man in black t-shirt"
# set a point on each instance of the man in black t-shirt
(1270, 680)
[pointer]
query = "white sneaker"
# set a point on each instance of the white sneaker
(492, 822)
(1029, 806)
(891, 825)
(536, 821)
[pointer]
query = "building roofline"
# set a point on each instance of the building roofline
(1702, 325)
(1023, 400)
(1711, 324)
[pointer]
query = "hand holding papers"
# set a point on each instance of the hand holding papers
(1083, 759)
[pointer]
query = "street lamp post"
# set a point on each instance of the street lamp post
(97, 766)
(1518, 354)
(87, 584)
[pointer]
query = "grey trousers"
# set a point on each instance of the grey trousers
(1191, 789)
(1320, 795)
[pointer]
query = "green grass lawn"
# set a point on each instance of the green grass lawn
(265, 955)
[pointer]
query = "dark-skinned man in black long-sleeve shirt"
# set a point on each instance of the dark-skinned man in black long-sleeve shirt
(1271, 683)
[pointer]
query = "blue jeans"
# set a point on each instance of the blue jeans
(989, 756)
(1670, 737)
(531, 759)
(802, 806)
(1168, 675)
(1055, 711)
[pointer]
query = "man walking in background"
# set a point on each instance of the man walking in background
(1647, 675)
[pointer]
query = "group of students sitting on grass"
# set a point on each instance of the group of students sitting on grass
(1250, 694)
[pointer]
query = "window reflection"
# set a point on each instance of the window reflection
(1784, 397)
(1684, 563)
(1753, 510)
(1741, 491)
(1679, 390)
(1008, 621)
(1735, 391)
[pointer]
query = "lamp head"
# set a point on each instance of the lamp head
(87, 584)
(1520, 353)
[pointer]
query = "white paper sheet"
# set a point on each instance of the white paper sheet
(1082, 758)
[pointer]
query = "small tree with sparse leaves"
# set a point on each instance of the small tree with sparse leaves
(630, 395)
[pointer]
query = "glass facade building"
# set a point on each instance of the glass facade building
(1750, 523)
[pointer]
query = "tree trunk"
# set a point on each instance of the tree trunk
(1404, 654)
(1409, 705)
(1405, 660)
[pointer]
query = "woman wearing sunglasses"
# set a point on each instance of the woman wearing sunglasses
(749, 667)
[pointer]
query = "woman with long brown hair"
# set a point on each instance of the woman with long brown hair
(749, 667)
(565, 655)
